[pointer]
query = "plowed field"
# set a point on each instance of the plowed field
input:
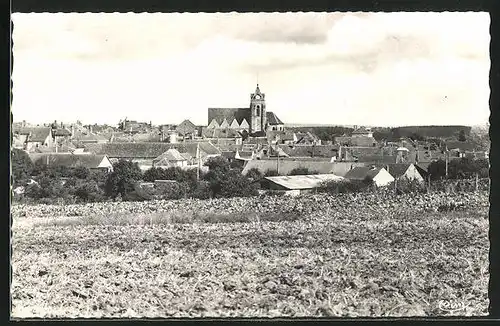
(270, 257)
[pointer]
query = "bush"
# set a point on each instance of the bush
(302, 171)
(202, 190)
(81, 172)
(173, 190)
(254, 174)
(405, 186)
(345, 186)
(34, 191)
(271, 173)
(462, 168)
(172, 173)
(89, 192)
(22, 166)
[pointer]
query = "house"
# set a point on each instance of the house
(362, 132)
(89, 137)
(34, 137)
(298, 183)
(187, 130)
(171, 158)
(378, 175)
(145, 153)
(271, 151)
(244, 155)
(252, 119)
(70, 160)
(281, 136)
(133, 127)
(404, 170)
(216, 135)
(307, 138)
(358, 140)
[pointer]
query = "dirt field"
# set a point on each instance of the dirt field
(366, 258)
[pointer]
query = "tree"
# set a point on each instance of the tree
(218, 163)
(121, 181)
(417, 137)
(226, 182)
(254, 174)
(153, 174)
(22, 166)
(81, 172)
(461, 136)
(437, 169)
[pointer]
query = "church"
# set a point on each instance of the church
(254, 119)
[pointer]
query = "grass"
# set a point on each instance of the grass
(163, 218)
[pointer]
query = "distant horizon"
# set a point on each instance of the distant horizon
(386, 69)
(290, 125)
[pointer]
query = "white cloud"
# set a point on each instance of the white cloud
(397, 68)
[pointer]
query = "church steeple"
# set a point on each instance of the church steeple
(257, 90)
(258, 111)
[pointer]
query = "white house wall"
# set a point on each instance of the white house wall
(413, 174)
(383, 178)
(213, 124)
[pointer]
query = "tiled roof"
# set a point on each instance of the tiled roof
(361, 130)
(300, 182)
(362, 172)
(69, 160)
(171, 155)
(220, 133)
(186, 127)
(228, 154)
(62, 132)
(377, 158)
(38, 134)
(463, 146)
(259, 134)
(149, 150)
(219, 114)
(272, 119)
(310, 150)
(398, 169)
(245, 154)
(91, 137)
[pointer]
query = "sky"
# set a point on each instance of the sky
(384, 69)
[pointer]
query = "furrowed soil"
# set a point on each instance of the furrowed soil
(317, 255)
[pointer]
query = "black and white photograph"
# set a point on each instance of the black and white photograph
(265, 165)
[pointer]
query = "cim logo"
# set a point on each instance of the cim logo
(451, 306)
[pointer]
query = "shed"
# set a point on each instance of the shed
(299, 182)
(379, 175)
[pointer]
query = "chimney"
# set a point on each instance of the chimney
(90, 128)
(24, 123)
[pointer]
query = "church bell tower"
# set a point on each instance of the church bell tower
(258, 121)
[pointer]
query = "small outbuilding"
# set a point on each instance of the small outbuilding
(379, 175)
(298, 183)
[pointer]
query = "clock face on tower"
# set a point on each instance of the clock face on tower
(257, 97)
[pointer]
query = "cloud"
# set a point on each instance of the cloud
(329, 68)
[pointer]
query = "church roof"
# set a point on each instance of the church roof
(272, 119)
(219, 114)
